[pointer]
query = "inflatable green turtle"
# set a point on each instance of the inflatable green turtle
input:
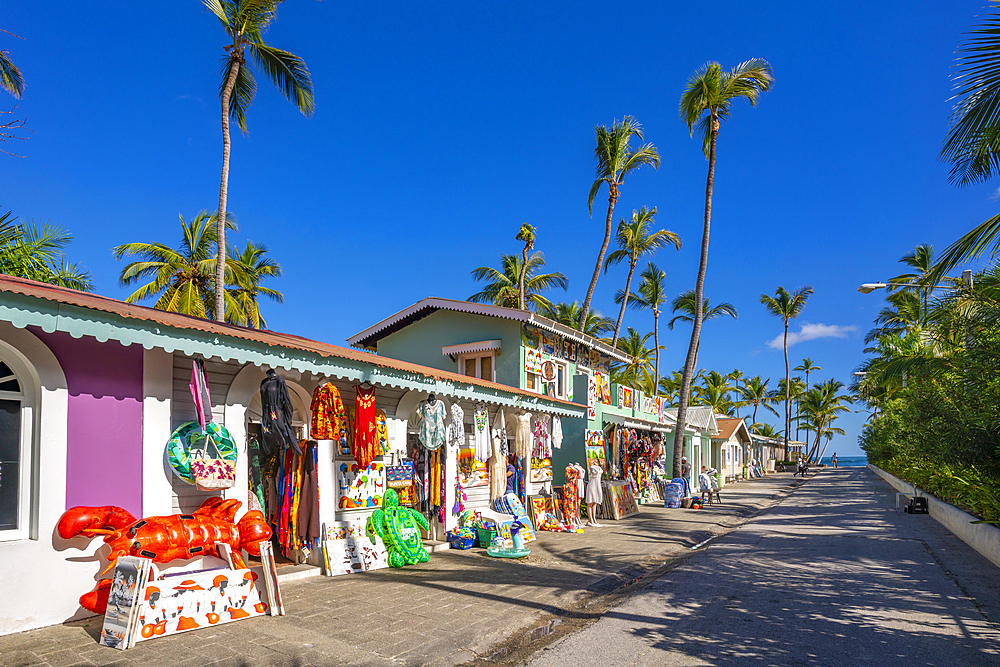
(399, 529)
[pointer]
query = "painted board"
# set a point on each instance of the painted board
(541, 470)
(360, 489)
(351, 551)
(619, 502)
(128, 577)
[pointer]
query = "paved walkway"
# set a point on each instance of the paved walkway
(458, 607)
(833, 575)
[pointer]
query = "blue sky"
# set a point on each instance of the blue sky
(440, 129)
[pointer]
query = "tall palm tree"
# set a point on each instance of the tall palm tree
(526, 234)
(684, 304)
(755, 392)
(180, 280)
(735, 377)
(635, 240)
(615, 160)
(922, 261)
(706, 102)
(796, 389)
(634, 345)
(787, 307)
(807, 366)
(714, 391)
(11, 78)
(37, 252)
(821, 406)
(245, 22)
(651, 295)
(765, 430)
(596, 325)
(501, 284)
(246, 286)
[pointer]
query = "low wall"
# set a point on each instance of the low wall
(983, 537)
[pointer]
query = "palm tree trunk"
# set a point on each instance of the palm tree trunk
(699, 286)
(520, 279)
(612, 199)
(753, 420)
(220, 260)
(788, 414)
(656, 342)
(621, 313)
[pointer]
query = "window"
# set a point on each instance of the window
(13, 464)
(477, 366)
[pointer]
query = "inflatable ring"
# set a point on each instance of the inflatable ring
(179, 446)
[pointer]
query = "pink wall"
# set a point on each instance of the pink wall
(104, 420)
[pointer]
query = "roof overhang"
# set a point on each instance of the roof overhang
(468, 348)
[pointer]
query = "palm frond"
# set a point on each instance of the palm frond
(289, 74)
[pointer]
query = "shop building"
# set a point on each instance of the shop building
(731, 446)
(92, 388)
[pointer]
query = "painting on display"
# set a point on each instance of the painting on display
(569, 350)
(595, 358)
(125, 584)
(350, 551)
(583, 357)
(472, 472)
(540, 506)
(551, 343)
(619, 503)
(603, 388)
(541, 470)
(625, 397)
(593, 386)
(531, 338)
(594, 442)
(533, 361)
(359, 488)
(659, 408)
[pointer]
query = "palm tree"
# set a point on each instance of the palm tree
(921, 259)
(37, 252)
(787, 307)
(596, 326)
(634, 345)
(180, 280)
(735, 377)
(707, 101)
(765, 431)
(670, 388)
(807, 366)
(684, 303)
(756, 393)
(634, 240)
(526, 234)
(795, 390)
(652, 293)
(245, 22)
(615, 160)
(821, 406)
(247, 284)
(501, 284)
(714, 391)
(10, 76)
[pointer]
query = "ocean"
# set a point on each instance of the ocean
(848, 461)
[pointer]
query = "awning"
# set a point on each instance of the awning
(467, 348)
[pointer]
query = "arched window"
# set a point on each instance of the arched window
(14, 496)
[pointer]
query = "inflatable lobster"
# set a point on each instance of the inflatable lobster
(163, 538)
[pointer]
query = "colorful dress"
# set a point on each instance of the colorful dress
(329, 418)
(557, 432)
(381, 434)
(432, 429)
(571, 495)
(542, 448)
(365, 427)
(481, 433)
(500, 435)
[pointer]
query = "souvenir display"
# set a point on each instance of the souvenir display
(381, 433)
(531, 338)
(399, 528)
(511, 504)
(361, 488)
(294, 498)
(189, 441)
(365, 441)
(456, 427)
(329, 418)
(571, 495)
(522, 435)
(199, 392)
(569, 350)
(593, 392)
(481, 436)
(130, 574)
(557, 434)
(163, 538)
(551, 343)
(400, 475)
(499, 549)
(533, 361)
(351, 550)
(541, 470)
(619, 503)
(582, 357)
(431, 414)
(276, 415)
(541, 444)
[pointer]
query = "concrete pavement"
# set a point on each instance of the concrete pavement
(833, 575)
(459, 607)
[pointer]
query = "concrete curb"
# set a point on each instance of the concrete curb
(982, 537)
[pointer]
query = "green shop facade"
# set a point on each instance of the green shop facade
(524, 350)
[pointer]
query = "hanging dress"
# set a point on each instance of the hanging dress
(500, 435)
(276, 415)
(481, 433)
(432, 429)
(456, 427)
(522, 437)
(365, 427)
(541, 448)
(497, 463)
(557, 433)
(571, 495)
(329, 418)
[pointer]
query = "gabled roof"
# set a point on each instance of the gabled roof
(701, 417)
(28, 303)
(728, 426)
(418, 311)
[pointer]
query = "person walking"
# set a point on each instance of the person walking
(801, 470)
(833, 459)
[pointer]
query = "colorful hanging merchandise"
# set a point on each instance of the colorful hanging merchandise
(497, 464)
(571, 495)
(276, 415)
(365, 428)
(432, 428)
(187, 442)
(522, 437)
(199, 392)
(481, 433)
(542, 447)
(557, 436)
(456, 427)
(329, 418)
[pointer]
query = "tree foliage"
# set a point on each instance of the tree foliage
(37, 252)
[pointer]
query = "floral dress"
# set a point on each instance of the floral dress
(329, 418)
(542, 448)
(432, 429)
(365, 427)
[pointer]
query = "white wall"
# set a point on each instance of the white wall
(157, 391)
(42, 578)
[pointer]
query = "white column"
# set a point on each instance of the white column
(157, 381)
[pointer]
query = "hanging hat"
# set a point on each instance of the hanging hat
(188, 585)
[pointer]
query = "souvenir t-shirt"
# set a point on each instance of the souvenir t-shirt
(432, 429)
(329, 418)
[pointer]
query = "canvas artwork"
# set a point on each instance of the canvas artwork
(583, 357)
(541, 470)
(532, 361)
(569, 350)
(471, 471)
(595, 358)
(618, 500)
(361, 488)
(550, 343)
(122, 596)
(540, 506)
(625, 396)
(531, 338)
(593, 385)
(350, 550)
(558, 498)
(191, 600)
(605, 394)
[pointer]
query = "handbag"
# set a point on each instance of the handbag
(399, 476)
(211, 473)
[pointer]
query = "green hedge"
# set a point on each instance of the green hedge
(975, 492)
